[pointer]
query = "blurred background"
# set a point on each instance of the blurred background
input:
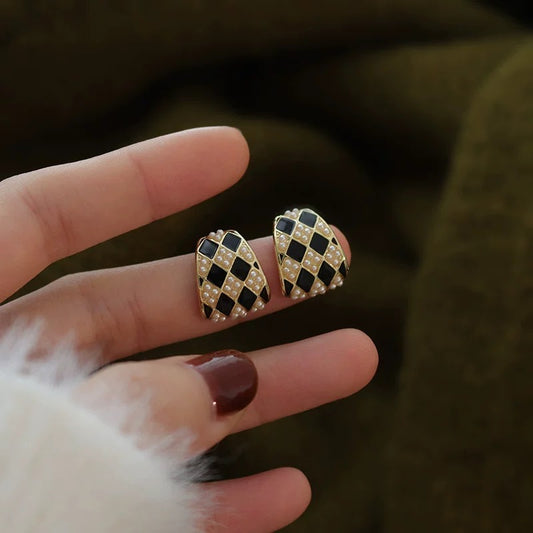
(407, 123)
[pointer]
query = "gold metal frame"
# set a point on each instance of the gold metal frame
(310, 259)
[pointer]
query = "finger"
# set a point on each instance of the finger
(291, 378)
(261, 503)
(305, 374)
(204, 395)
(132, 309)
(55, 212)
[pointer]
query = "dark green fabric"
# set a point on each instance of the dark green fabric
(409, 124)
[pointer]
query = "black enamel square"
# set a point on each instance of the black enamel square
(288, 286)
(326, 273)
(286, 225)
(342, 269)
(231, 241)
(305, 280)
(216, 275)
(225, 304)
(247, 298)
(296, 251)
(319, 243)
(308, 219)
(209, 248)
(240, 268)
(207, 310)
(264, 295)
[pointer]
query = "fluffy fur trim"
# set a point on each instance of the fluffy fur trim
(66, 469)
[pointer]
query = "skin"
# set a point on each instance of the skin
(55, 212)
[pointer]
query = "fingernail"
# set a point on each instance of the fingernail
(231, 377)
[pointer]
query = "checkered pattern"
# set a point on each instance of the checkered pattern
(231, 282)
(310, 259)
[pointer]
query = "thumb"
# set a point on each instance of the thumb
(205, 395)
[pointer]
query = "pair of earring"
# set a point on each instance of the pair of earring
(231, 282)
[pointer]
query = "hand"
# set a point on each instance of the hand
(55, 212)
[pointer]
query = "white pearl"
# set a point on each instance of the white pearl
(211, 300)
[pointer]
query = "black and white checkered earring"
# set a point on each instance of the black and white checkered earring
(310, 259)
(231, 282)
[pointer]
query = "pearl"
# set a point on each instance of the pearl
(231, 279)
(226, 262)
(211, 300)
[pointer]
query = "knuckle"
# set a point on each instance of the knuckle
(55, 230)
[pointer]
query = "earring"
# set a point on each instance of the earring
(231, 281)
(309, 257)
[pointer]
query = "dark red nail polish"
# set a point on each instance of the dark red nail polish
(231, 377)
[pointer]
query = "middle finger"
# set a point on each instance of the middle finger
(122, 311)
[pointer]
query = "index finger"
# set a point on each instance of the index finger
(52, 213)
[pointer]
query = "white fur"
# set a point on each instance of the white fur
(64, 469)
